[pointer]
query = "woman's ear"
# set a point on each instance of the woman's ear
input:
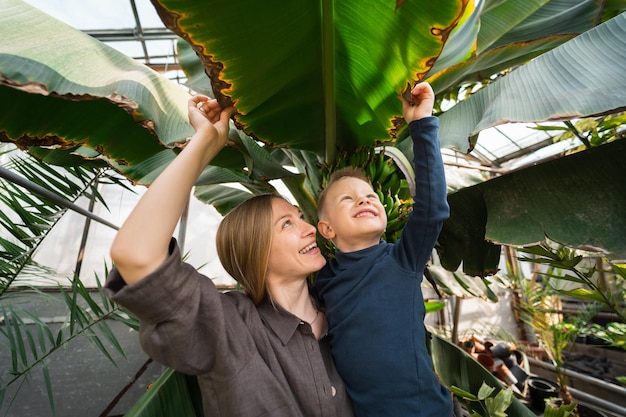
(325, 230)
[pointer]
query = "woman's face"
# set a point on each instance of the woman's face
(294, 251)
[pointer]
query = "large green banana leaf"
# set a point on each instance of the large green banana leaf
(508, 22)
(62, 89)
(306, 78)
(309, 75)
(520, 31)
(577, 200)
(530, 92)
(512, 33)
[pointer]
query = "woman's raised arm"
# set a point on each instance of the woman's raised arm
(141, 244)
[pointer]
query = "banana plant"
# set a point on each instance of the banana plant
(308, 83)
(321, 80)
(466, 239)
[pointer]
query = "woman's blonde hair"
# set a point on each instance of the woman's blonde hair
(243, 243)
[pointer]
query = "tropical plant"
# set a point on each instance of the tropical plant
(612, 334)
(325, 82)
(315, 81)
(564, 410)
(492, 405)
(561, 271)
(27, 216)
(31, 341)
(591, 131)
(568, 265)
(463, 244)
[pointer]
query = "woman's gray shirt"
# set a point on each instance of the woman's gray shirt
(250, 360)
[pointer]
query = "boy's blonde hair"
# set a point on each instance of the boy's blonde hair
(243, 244)
(346, 172)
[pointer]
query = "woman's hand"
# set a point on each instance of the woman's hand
(208, 118)
(421, 104)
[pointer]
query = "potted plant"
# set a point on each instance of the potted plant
(539, 304)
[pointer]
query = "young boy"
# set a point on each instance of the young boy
(371, 290)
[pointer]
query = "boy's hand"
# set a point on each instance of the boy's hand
(421, 104)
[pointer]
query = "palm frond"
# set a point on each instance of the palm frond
(27, 215)
(27, 218)
(31, 340)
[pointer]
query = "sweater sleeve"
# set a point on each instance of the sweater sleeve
(430, 207)
(185, 322)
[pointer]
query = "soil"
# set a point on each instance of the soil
(599, 361)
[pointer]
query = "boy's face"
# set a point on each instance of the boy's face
(353, 216)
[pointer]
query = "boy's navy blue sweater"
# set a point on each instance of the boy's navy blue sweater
(375, 306)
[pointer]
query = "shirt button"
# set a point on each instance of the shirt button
(333, 390)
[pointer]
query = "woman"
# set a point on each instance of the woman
(258, 353)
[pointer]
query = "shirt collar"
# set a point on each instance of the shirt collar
(346, 259)
(283, 323)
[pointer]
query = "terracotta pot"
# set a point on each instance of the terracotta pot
(533, 350)
(486, 360)
(505, 374)
(478, 344)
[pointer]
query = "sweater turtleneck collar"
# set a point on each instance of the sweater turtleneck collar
(346, 259)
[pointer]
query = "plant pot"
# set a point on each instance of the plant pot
(501, 350)
(540, 390)
(486, 361)
(469, 347)
(533, 350)
(504, 373)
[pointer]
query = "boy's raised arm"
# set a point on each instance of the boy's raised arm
(141, 245)
(430, 206)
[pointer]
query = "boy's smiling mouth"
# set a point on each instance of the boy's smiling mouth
(366, 213)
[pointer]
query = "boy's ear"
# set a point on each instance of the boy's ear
(325, 230)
